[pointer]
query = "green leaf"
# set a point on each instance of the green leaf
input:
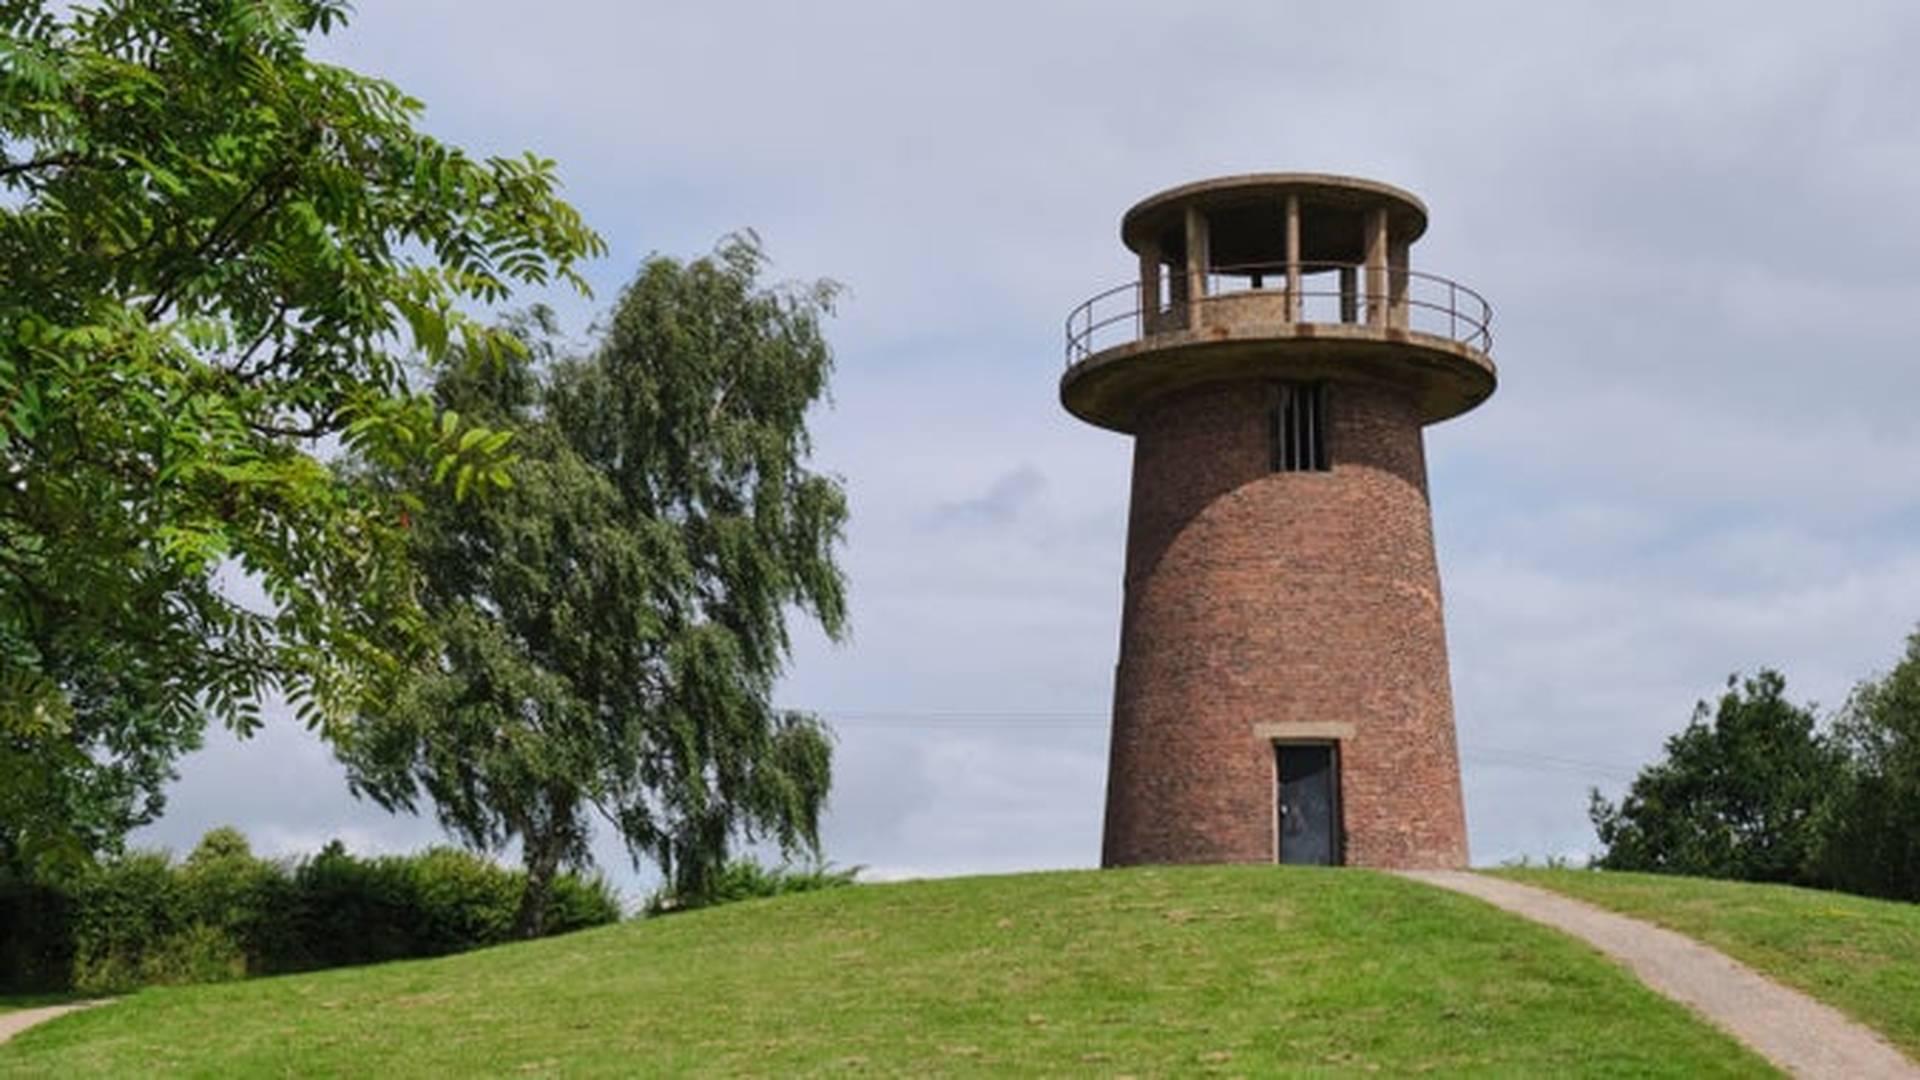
(215, 248)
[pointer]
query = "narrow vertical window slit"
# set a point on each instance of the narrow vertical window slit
(1298, 438)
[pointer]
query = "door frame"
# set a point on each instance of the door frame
(1339, 809)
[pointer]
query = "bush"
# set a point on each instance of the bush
(353, 911)
(577, 903)
(248, 899)
(197, 953)
(125, 911)
(462, 900)
(36, 949)
(141, 920)
(746, 879)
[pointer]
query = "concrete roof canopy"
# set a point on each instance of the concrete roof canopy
(1249, 307)
(1249, 223)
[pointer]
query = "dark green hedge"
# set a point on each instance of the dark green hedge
(143, 919)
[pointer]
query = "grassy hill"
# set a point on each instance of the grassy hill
(1233, 970)
(1860, 956)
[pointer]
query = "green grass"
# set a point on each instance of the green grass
(1860, 956)
(1150, 972)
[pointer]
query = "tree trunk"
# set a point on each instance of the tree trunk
(541, 854)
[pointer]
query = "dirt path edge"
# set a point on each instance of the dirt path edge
(14, 1023)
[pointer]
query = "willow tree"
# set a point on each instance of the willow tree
(216, 257)
(611, 627)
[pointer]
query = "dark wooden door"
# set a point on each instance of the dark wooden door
(1309, 804)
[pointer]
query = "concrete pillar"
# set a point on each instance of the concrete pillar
(1293, 258)
(1376, 227)
(1149, 287)
(1349, 295)
(1197, 261)
(1397, 285)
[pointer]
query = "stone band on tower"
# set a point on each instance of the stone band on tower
(1282, 690)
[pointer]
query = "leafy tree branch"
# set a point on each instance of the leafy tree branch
(215, 252)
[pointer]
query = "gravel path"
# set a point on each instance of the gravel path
(1788, 1028)
(13, 1023)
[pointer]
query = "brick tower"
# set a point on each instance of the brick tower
(1282, 691)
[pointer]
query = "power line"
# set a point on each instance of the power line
(983, 718)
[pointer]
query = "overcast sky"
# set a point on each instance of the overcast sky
(1698, 227)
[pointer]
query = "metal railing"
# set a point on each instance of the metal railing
(1412, 300)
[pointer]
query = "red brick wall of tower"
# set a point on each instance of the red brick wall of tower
(1258, 602)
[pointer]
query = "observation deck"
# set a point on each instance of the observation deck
(1289, 276)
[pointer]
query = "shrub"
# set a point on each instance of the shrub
(248, 899)
(353, 911)
(36, 949)
(577, 903)
(197, 953)
(124, 909)
(462, 900)
(224, 913)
